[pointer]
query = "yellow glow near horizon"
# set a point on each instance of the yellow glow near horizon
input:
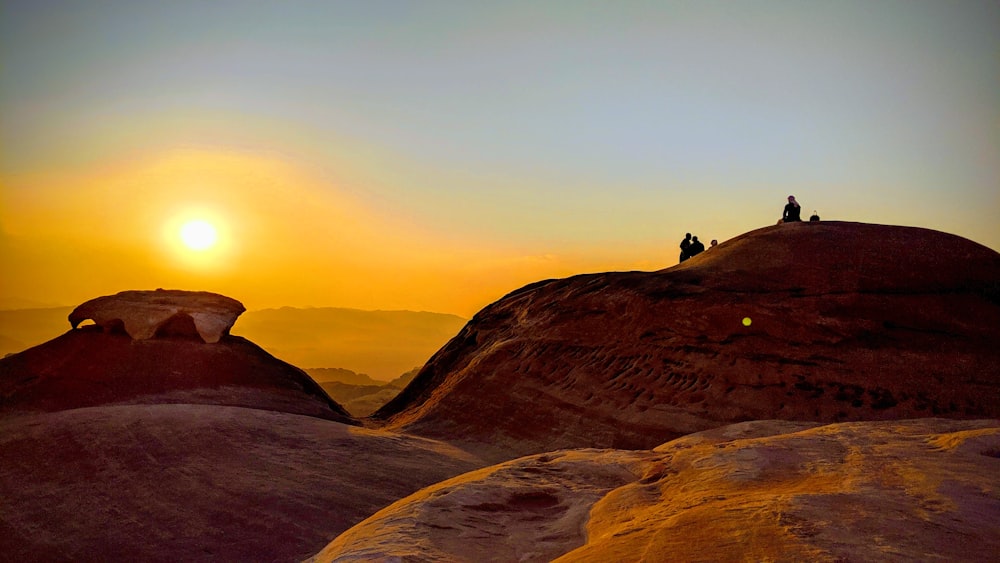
(198, 235)
(283, 235)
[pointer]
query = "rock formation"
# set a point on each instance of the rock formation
(145, 314)
(847, 321)
(99, 365)
(183, 482)
(169, 449)
(914, 490)
(134, 440)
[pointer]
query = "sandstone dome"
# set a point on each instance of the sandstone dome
(847, 321)
(156, 347)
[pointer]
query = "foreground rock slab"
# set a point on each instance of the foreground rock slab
(198, 482)
(912, 490)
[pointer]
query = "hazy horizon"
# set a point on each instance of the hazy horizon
(381, 344)
(434, 156)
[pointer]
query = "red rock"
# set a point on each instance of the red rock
(849, 322)
(173, 449)
(915, 490)
(198, 482)
(86, 367)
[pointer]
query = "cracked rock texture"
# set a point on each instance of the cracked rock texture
(146, 314)
(848, 321)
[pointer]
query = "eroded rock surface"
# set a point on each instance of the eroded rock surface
(144, 314)
(914, 490)
(183, 482)
(847, 321)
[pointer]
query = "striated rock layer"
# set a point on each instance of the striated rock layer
(915, 490)
(146, 314)
(846, 321)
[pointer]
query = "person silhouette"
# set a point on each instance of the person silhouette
(713, 244)
(685, 246)
(814, 216)
(697, 247)
(792, 211)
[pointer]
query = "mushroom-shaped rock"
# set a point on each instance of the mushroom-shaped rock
(145, 314)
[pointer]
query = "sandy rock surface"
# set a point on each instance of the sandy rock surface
(142, 314)
(847, 321)
(913, 490)
(198, 482)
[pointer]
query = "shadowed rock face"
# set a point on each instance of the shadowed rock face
(88, 367)
(848, 322)
(148, 314)
(182, 482)
(914, 490)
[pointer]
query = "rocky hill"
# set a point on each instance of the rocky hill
(817, 322)
(148, 348)
(154, 435)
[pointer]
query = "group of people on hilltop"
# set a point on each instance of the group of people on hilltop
(691, 246)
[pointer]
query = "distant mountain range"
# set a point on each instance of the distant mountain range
(379, 344)
(356, 392)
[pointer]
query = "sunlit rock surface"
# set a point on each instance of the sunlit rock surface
(914, 490)
(144, 314)
(847, 321)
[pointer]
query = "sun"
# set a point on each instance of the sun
(198, 235)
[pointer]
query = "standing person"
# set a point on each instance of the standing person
(697, 247)
(685, 246)
(792, 211)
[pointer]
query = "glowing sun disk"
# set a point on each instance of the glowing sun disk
(198, 235)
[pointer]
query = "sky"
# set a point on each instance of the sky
(436, 155)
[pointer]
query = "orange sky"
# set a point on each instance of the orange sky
(284, 238)
(437, 155)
